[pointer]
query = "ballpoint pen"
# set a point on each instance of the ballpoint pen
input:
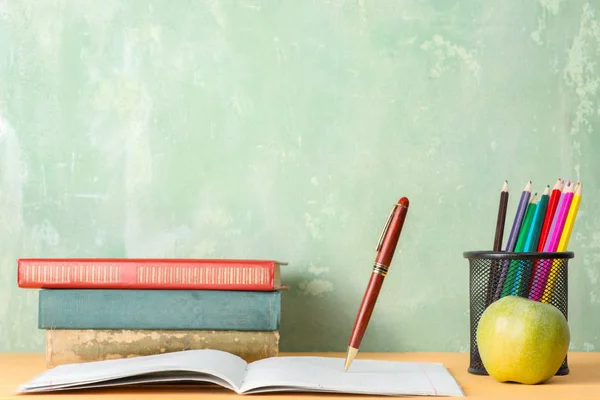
(386, 246)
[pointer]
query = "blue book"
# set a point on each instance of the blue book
(159, 309)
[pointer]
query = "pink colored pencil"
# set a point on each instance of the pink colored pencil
(558, 222)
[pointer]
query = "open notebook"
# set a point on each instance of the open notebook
(291, 374)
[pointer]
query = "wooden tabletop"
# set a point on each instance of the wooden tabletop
(583, 381)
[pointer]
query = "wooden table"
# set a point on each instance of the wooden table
(583, 382)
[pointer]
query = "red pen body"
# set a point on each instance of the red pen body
(385, 252)
(366, 309)
(390, 239)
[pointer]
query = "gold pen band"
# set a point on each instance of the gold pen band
(380, 269)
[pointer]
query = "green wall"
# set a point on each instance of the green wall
(286, 130)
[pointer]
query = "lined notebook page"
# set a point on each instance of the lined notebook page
(363, 376)
(229, 368)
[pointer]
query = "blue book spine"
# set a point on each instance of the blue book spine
(159, 309)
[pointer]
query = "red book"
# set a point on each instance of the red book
(140, 273)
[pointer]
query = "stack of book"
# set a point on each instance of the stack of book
(99, 309)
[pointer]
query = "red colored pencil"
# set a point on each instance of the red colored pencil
(552, 203)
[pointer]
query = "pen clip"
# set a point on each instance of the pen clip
(385, 228)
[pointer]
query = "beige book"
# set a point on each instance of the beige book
(67, 346)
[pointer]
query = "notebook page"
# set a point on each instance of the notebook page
(363, 377)
(157, 378)
(229, 368)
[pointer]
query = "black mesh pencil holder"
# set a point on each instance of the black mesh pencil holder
(495, 274)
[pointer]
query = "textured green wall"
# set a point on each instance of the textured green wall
(286, 130)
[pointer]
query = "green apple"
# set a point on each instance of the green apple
(522, 340)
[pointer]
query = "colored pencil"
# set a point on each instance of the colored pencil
(511, 275)
(533, 235)
(494, 272)
(552, 203)
(520, 214)
(512, 238)
(521, 286)
(564, 241)
(501, 217)
(570, 222)
(560, 217)
(550, 210)
(524, 232)
(543, 271)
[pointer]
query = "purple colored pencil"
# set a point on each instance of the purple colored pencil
(558, 222)
(514, 234)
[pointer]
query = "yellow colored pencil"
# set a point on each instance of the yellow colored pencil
(570, 221)
(564, 242)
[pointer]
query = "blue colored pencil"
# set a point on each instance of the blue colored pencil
(538, 219)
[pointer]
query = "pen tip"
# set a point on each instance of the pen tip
(352, 352)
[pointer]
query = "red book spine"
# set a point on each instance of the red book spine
(205, 274)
